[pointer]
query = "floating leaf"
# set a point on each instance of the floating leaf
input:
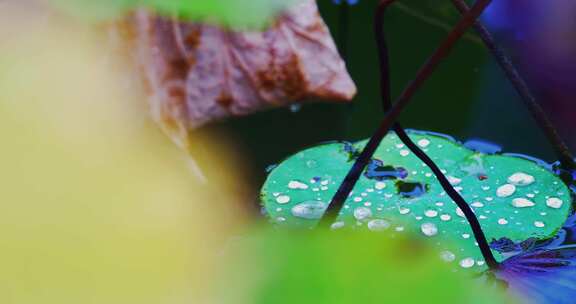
(514, 198)
(198, 73)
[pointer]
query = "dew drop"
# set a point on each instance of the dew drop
(459, 212)
(467, 262)
(454, 181)
(522, 202)
(403, 210)
(380, 185)
(378, 225)
(445, 217)
(554, 202)
(424, 143)
(337, 225)
(295, 108)
(283, 199)
(477, 205)
(539, 224)
(404, 153)
(431, 213)
(521, 179)
(297, 185)
(447, 256)
(362, 213)
(309, 210)
(505, 190)
(429, 229)
(502, 221)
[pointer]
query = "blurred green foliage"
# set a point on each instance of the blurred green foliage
(322, 267)
(237, 13)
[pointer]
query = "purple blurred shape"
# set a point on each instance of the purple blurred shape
(542, 37)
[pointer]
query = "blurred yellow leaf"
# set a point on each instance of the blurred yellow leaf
(96, 205)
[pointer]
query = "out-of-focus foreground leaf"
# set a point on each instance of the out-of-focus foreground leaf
(329, 267)
(237, 13)
(96, 205)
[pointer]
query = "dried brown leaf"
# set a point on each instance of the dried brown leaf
(197, 73)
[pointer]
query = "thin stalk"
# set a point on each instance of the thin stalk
(423, 74)
(399, 130)
(560, 148)
(391, 117)
(446, 27)
(454, 195)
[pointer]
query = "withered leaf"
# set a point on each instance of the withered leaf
(197, 73)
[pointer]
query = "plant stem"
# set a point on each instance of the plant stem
(446, 27)
(560, 148)
(423, 74)
(454, 195)
(399, 130)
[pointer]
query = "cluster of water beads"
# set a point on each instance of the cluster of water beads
(392, 198)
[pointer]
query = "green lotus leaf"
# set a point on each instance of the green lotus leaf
(514, 198)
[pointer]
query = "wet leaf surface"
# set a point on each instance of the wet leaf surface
(514, 198)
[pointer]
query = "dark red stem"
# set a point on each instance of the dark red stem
(424, 73)
(387, 104)
(560, 148)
